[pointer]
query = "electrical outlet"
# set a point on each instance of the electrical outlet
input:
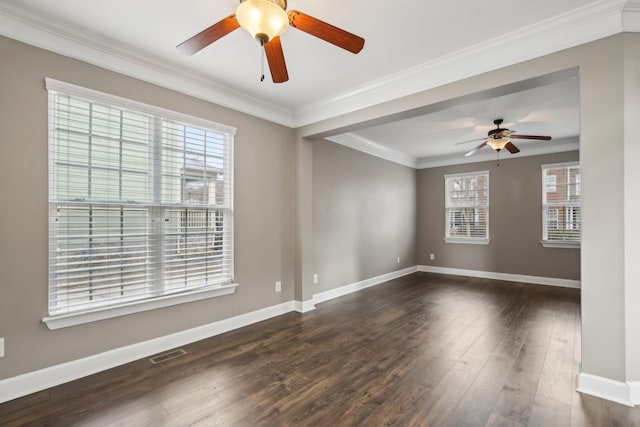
(278, 286)
(315, 279)
(398, 260)
(432, 257)
(1, 347)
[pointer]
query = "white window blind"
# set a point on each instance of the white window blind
(561, 203)
(140, 201)
(467, 206)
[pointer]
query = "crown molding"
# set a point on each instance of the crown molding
(532, 149)
(366, 146)
(591, 22)
(631, 16)
(29, 28)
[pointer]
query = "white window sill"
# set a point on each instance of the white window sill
(66, 320)
(467, 241)
(560, 244)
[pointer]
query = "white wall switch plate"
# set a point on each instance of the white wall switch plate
(432, 256)
(315, 279)
(1, 347)
(278, 286)
(398, 260)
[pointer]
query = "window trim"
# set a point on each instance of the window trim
(565, 244)
(93, 315)
(465, 240)
(478, 241)
(99, 313)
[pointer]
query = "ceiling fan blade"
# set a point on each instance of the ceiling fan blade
(205, 37)
(472, 152)
(542, 138)
(512, 148)
(471, 140)
(275, 57)
(326, 32)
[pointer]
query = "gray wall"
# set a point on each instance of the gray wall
(632, 203)
(364, 215)
(515, 221)
(264, 214)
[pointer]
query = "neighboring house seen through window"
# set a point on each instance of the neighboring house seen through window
(140, 205)
(467, 208)
(561, 222)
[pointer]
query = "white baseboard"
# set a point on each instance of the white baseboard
(354, 287)
(634, 392)
(626, 393)
(548, 281)
(304, 306)
(22, 385)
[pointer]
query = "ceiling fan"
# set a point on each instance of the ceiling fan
(500, 138)
(266, 20)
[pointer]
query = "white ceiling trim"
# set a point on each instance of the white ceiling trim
(579, 26)
(531, 149)
(374, 149)
(631, 16)
(76, 44)
(576, 27)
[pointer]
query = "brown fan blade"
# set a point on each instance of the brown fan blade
(275, 57)
(542, 138)
(205, 37)
(326, 32)
(512, 148)
(472, 152)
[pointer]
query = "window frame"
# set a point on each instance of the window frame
(466, 240)
(569, 207)
(149, 301)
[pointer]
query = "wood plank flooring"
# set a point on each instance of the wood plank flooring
(423, 350)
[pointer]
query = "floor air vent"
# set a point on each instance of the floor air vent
(167, 356)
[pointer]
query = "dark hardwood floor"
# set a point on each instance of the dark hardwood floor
(423, 350)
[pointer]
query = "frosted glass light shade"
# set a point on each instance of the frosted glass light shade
(498, 144)
(263, 19)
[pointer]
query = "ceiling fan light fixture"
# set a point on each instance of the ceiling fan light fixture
(498, 144)
(263, 19)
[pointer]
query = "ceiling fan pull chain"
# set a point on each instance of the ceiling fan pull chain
(261, 60)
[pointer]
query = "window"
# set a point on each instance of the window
(140, 203)
(551, 183)
(561, 223)
(552, 218)
(467, 208)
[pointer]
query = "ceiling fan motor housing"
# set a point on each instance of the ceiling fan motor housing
(497, 132)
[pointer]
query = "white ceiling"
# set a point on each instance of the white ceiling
(442, 136)
(411, 45)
